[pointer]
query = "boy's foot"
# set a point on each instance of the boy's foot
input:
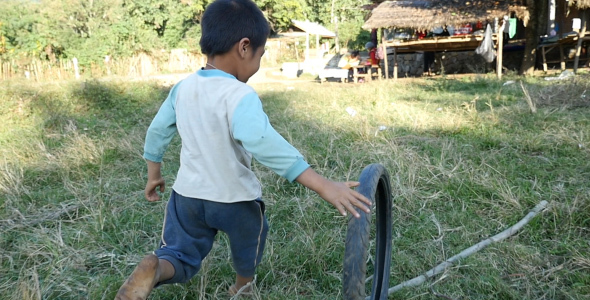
(141, 282)
(233, 290)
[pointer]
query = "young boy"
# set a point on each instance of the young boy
(222, 125)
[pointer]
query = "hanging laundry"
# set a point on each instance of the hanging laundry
(486, 48)
(512, 27)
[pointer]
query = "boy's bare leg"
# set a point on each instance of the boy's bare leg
(240, 282)
(148, 272)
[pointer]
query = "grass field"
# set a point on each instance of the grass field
(467, 159)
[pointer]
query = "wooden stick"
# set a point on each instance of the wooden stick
(471, 250)
(43, 217)
(528, 99)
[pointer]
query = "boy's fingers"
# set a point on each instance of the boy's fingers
(360, 205)
(351, 184)
(353, 211)
(151, 197)
(362, 198)
(363, 206)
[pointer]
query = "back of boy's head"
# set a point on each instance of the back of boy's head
(226, 22)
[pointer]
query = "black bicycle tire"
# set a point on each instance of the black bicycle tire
(375, 185)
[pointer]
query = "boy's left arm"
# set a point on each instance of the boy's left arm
(250, 126)
(339, 194)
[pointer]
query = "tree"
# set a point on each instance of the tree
(168, 20)
(280, 13)
(351, 18)
(91, 29)
(343, 16)
(82, 28)
(536, 24)
(17, 29)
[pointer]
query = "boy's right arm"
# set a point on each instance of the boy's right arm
(162, 129)
(154, 181)
(158, 137)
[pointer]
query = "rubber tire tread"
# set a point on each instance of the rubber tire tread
(375, 185)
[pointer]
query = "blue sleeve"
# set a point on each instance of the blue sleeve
(162, 129)
(251, 127)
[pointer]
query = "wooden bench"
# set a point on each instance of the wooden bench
(376, 71)
(372, 71)
(569, 40)
(356, 73)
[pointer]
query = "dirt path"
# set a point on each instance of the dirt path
(264, 75)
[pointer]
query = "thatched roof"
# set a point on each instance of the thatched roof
(313, 28)
(581, 4)
(426, 14)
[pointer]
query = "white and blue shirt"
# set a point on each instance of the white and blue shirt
(222, 125)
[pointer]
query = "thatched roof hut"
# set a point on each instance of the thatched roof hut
(426, 14)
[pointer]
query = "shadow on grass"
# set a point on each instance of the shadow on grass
(67, 133)
(465, 177)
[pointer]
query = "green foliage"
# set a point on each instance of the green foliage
(90, 30)
(345, 17)
(169, 20)
(18, 28)
(280, 12)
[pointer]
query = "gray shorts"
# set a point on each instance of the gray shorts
(190, 226)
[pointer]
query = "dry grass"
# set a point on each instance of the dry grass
(467, 159)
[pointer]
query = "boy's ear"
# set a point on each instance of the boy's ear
(243, 46)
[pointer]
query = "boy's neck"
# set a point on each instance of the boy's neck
(223, 62)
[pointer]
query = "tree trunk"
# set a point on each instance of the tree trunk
(536, 25)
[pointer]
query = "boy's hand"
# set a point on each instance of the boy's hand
(150, 189)
(154, 181)
(339, 194)
(343, 198)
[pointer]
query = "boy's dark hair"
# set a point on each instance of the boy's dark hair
(226, 22)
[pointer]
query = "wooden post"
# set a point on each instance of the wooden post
(76, 69)
(336, 39)
(561, 57)
(317, 45)
(543, 53)
(385, 62)
(306, 46)
(580, 39)
(395, 63)
(500, 35)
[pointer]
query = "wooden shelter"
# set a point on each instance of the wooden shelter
(308, 28)
(566, 28)
(428, 14)
(583, 7)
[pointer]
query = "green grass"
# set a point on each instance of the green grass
(465, 153)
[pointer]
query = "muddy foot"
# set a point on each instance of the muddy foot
(247, 292)
(141, 282)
